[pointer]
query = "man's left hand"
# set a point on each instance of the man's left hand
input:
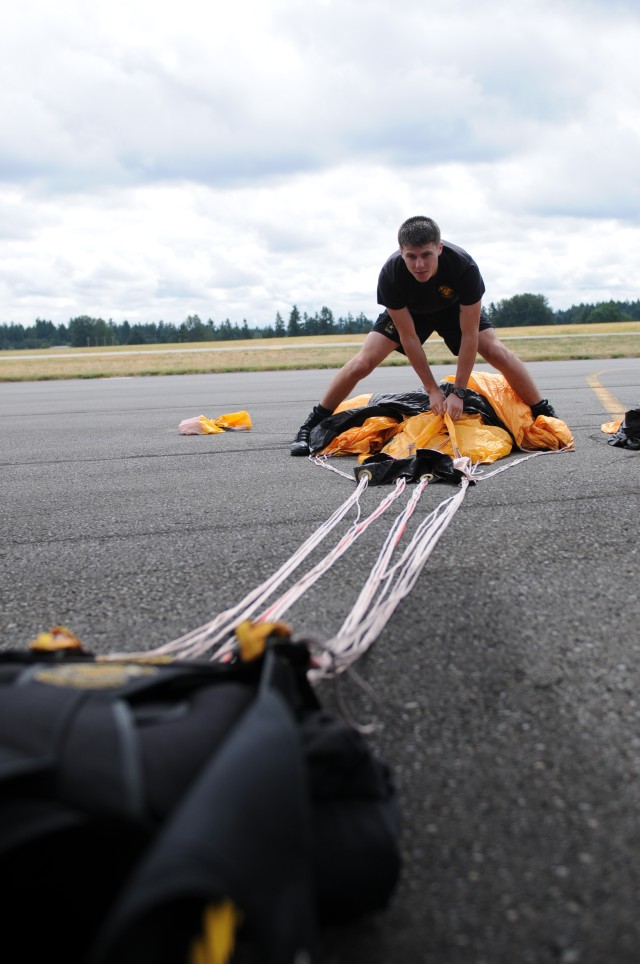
(454, 407)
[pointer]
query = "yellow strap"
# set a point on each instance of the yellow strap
(451, 429)
(219, 925)
(252, 637)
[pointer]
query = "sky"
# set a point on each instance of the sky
(231, 160)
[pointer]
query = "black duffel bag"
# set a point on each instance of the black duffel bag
(145, 806)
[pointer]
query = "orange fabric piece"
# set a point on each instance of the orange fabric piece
(364, 439)
(611, 427)
(201, 425)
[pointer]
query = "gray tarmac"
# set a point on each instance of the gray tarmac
(507, 683)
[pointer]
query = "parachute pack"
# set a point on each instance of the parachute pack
(625, 433)
(165, 811)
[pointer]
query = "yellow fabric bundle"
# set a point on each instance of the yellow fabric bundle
(201, 425)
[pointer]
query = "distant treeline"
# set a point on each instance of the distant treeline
(83, 331)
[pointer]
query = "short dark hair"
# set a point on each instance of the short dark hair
(418, 231)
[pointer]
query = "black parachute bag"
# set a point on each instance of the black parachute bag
(628, 434)
(150, 810)
(382, 469)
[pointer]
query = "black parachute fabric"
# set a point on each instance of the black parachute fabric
(407, 403)
(383, 469)
(391, 407)
(134, 795)
(628, 435)
(398, 406)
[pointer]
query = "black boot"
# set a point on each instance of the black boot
(300, 444)
(543, 408)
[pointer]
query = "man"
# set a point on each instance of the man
(428, 285)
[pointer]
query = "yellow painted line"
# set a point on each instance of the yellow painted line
(609, 402)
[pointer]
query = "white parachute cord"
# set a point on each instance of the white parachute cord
(360, 628)
(348, 645)
(322, 461)
(464, 464)
(421, 545)
(482, 476)
(380, 570)
(332, 649)
(385, 588)
(294, 592)
(387, 585)
(370, 587)
(405, 572)
(198, 642)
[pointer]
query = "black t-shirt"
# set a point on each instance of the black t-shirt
(457, 282)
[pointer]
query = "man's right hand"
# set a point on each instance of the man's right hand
(438, 401)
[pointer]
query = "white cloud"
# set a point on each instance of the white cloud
(160, 160)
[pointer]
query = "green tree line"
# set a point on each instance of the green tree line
(84, 331)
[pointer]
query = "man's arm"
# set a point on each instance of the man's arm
(469, 328)
(401, 317)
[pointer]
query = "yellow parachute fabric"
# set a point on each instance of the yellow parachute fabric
(364, 439)
(543, 433)
(201, 425)
(479, 442)
(610, 428)
(358, 402)
(58, 638)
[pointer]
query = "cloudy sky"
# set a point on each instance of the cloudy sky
(233, 159)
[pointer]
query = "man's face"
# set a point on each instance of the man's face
(422, 261)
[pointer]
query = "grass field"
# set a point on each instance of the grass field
(557, 342)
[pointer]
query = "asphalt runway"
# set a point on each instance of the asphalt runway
(507, 682)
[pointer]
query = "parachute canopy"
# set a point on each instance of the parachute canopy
(495, 421)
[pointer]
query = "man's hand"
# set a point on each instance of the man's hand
(454, 406)
(438, 401)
